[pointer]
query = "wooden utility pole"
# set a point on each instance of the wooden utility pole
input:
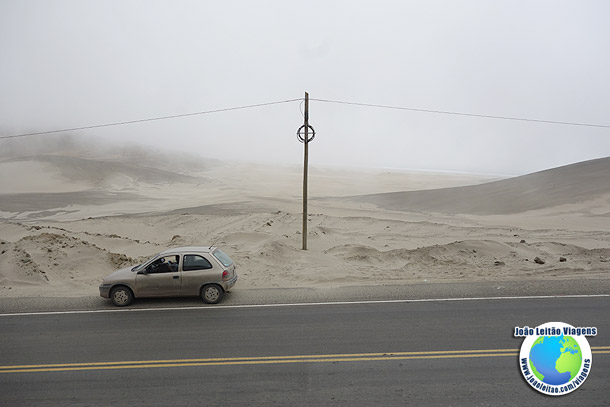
(305, 167)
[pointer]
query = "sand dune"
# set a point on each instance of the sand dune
(86, 216)
(61, 186)
(44, 185)
(570, 184)
(41, 261)
(20, 174)
(70, 258)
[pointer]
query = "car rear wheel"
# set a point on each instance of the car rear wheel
(211, 294)
(121, 296)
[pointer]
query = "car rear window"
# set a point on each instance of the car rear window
(195, 262)
(223, 257)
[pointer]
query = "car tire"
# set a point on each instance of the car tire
(211, 293)
(121, 296)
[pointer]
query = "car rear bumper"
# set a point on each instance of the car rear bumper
(231, 282)
(105, 290)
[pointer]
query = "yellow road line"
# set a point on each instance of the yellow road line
(263, 358)
(357, 357)
(253, 362)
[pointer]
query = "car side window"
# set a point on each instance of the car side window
(195, 262)
(167, 264)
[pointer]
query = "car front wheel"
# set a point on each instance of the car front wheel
(211, 294)
(121, 296)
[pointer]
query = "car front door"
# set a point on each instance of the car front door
(160, 279)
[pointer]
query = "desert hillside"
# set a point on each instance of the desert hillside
(69, 219)
(68, 183)
(571, 184)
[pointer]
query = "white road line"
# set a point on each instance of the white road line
(304, 304)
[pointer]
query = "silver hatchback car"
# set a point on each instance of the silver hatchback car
(183, 271)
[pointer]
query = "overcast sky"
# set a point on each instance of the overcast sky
(76, 63)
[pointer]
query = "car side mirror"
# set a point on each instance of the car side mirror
(145, 271)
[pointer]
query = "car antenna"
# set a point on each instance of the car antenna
(217, 239)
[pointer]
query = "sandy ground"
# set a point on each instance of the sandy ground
(68, 220)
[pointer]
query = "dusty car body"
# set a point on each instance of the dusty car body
(183, 271)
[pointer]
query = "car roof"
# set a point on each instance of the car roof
(189, 249)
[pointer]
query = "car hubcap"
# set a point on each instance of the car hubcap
(211, 294)
(121, 297)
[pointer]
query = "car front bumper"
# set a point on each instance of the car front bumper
(105, 290)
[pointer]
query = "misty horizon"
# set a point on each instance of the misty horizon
(72, 64)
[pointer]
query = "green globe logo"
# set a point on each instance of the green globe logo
(555, 357)
(555, 360)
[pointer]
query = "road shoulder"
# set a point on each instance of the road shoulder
(244, 296)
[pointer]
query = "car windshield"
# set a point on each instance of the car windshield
(222, 257)
(142, 266)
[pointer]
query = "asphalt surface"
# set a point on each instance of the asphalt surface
(445, 353)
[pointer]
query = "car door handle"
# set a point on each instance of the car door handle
(176, 277)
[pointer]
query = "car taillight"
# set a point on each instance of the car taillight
(225, 275)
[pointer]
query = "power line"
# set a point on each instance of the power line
(151, 119)
(462, 114)
(312, 99)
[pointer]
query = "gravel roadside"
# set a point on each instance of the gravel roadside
(244, 296)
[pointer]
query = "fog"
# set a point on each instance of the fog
(67, 64)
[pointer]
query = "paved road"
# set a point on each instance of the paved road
(446, 353)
